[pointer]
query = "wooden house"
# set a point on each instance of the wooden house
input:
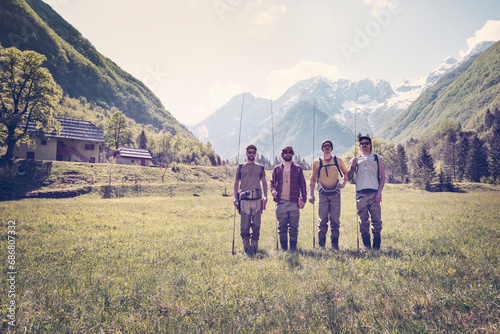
(78, 141)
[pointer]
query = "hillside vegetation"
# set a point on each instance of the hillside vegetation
(463, 95)
(77, 66)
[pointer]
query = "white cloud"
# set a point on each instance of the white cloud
(379, 5)
(280, 80)
(490, 32)
(221, 92)
(269, 15)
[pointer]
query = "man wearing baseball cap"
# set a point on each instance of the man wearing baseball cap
(249, 200)
(288, 187)
(326, 172)
(370, 181)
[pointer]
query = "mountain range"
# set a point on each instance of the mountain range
(346, 107)
(77, 67)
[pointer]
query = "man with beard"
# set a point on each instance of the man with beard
(288, 187)
(249, 199)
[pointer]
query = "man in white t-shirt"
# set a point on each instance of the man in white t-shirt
(370, 181)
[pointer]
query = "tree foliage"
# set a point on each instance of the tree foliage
(27, 94)
(117, 132)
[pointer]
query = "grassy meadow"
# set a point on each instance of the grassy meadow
(163, 264)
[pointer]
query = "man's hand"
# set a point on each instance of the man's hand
(235, 202)
(354, 162)
(311, 199)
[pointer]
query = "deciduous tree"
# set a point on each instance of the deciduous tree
(28, 93)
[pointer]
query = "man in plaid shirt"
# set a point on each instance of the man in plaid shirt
(288, 187)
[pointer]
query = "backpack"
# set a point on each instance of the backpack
(328, 191)
(325, 166)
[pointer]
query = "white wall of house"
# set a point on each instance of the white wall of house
(133, 161)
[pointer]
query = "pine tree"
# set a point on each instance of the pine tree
(488, 120)
(451, 155)
(494, 153)
(424, 171)
(477, 161)
(462, 152)
(143, 140)
(401, 165)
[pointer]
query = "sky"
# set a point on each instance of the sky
(197, 54)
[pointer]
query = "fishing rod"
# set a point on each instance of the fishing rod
(272, 131)
(237, 163)
(355, 154)
(314, 128)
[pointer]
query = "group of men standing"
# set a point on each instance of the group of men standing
(289, 191)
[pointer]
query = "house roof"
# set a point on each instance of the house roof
(136, 153)
(74, 129)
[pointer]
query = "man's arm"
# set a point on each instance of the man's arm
(312, 182)
(235, 189)
(381, 185)
(264, 187)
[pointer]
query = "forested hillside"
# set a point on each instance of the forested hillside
(77, 66)
(463, 95)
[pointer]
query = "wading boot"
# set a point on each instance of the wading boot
(376, 242)
(322, 243)
(246, 246)
(254, 245)
(367, 244)
(335, 244)
(284, 244)
(293, 245)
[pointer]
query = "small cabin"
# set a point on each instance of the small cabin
(133, 156)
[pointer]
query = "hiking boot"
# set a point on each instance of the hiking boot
(254, 245)
(376, 242)
(367, 244)
(322, 243)
(293, 245)
(284, 244)
(246, 246)
(335, 244)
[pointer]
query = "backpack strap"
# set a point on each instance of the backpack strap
(378, 171)
(239, 171)
(337, 164)
(334, 162)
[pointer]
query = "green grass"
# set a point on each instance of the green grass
(164, 264)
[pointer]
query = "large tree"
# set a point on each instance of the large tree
(118, 132)
(28, 93)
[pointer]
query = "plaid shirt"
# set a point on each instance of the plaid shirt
(297, 183)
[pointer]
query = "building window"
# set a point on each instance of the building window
(92, 160)
(59, 157)
(30, 155)
(89, 147)
(44, 142)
